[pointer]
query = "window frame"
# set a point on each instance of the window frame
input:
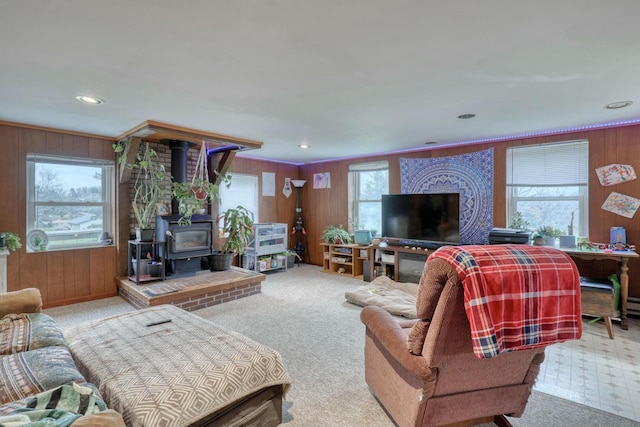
(582, 198)
(354, 182)
(107, 204)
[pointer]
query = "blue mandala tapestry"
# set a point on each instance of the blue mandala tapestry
(470, 174)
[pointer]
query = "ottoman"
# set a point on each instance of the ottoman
(163, 366)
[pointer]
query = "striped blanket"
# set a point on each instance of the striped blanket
(517, 296)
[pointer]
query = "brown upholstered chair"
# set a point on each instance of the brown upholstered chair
(424, 372)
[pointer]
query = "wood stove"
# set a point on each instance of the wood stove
(185, 244)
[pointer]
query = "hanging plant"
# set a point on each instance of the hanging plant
(191, 195)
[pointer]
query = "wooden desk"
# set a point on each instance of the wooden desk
(622, 257)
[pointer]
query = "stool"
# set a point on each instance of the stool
(596, 297)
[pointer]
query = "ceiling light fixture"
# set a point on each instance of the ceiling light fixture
(91, 100)
(304, 146)
(431, 142)
(466, 116)
(619, 104)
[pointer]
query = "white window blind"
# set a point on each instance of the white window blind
(369, 166)
(550, 165)
(243, 191)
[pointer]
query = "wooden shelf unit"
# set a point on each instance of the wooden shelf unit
(400, 263)
(345, 260)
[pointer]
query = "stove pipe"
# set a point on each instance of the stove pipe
(179, 150)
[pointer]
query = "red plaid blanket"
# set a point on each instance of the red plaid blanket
(517, 296)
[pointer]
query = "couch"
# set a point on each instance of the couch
(39, 379)
(446, 367)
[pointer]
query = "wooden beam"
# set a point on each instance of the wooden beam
(219, 164)
(130, 153)
(157, 132)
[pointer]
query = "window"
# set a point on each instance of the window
(69, 199)
(547, 185)
(367, 183)
(243, 191)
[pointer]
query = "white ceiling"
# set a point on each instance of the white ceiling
(348, 77)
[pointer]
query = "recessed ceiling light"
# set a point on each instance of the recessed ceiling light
(91, 100)
(466, 116)
(304, 145)
(619, 104)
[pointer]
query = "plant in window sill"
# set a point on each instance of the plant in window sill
(518, 222)
(545, 235)
(10, 240)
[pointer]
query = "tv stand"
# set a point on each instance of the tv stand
(418, 244)
(400, 263)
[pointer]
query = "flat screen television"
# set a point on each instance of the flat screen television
(420, 219)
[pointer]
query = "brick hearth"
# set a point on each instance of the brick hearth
(194, 292)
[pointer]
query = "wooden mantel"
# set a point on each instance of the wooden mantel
(150, 130)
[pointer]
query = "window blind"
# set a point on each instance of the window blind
(369, 166)
(555, 164)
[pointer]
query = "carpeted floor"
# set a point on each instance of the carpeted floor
(303, 314)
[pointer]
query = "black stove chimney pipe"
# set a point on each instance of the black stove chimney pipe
(179, 150)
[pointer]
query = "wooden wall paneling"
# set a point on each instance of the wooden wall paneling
(97, 271)
(500, 185)
(109, 261)
(69, 269)
(68, 144)
(80, 146)
(628, 152)
(323, 207)
(10, 212)
(53, 143)
(599, 144)
(97, 149)
(34, 274)
(82, 271)
(33, 268)
(55, 277)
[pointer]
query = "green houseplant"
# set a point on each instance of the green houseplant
(545, 235)
(237, 225)
(191, 195)
(148, 187)
(10, 240)
(336, 234)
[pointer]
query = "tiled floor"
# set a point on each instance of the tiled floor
(596, 371)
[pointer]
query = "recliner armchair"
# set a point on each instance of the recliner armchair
(424, 372)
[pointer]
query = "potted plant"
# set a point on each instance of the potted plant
(336, 235)
(191, 195)
(546, 235)
(518, 222)
(10, 240)
(291, 258)
(148, 187)
(237, 225)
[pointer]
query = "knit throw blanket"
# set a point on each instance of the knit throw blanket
(58, 407)
(517, 296)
